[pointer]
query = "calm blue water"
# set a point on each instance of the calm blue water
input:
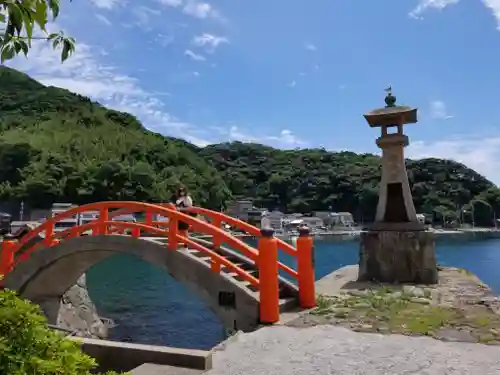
(151, 307)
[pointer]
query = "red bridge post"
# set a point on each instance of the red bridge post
(49, 232)
(216, 242)
(305, 269)
(103, 217)
(173, 229)
(268, 277)
(7, 256)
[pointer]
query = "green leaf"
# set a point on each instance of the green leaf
(2, 18)
(24, 47)
(56, 43)
(40, 15)
(54, 7)
(8, 51)
(67, 50)
(15, 18)
(28, 25)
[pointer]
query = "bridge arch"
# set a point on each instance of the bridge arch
(45, 276)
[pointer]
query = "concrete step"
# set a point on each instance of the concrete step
(152, 369)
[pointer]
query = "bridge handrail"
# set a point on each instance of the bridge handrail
(74, 231)
(250, 229)
(48, 225)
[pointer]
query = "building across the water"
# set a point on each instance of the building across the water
(312, 222)
(342, 219)
(274, 219)
(245, 211)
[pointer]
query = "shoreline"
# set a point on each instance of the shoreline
(346, 235)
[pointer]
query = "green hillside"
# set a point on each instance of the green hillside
(59, 146)
(314, 179)
(56, 145)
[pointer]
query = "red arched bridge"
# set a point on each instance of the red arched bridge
(240, 283)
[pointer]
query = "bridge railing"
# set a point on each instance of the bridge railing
(218, 219)
(265, 258)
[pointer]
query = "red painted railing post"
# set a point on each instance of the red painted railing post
(49, 232)
(268, 277)
(103, 217)
(217, 242)
(173, 229)
(305, 268)
(7, 249)
(148, 217)
(135, 232)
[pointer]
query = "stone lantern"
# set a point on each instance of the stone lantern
(396, 248)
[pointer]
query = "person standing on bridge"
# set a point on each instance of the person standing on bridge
(183, 200)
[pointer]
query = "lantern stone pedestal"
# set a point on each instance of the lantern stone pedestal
(396, 249)
(398, 257)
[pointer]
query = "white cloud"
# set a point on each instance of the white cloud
(194, 56)
(106, 4)
(164, 40)
(292, 84)
(480, 154)
(235, 134)
(144, 16)
(311, 47)
(103, 19)
(193, 8)
(424, 5)
(439, 111)
(171, 3)
(494, 6)
(285, 139)
(83, 73)
(200, 9)
(208, 41)
(200, 142)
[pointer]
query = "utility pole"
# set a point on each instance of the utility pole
(21, 211)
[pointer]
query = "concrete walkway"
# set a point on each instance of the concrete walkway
(333, 350)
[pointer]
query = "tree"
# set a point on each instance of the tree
(29, 346)
(20, 19)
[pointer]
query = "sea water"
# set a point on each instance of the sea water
(151, 307)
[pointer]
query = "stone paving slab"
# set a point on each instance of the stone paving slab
(152, 369)
(335, 350)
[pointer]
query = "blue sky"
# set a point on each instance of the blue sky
(290, 73)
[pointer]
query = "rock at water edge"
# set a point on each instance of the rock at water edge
(77, 312)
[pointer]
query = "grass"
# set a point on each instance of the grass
(390, 311)
(466, 271)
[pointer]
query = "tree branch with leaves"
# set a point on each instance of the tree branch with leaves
(21, 18)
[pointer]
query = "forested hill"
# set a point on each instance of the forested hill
(59, 146)
(314, 179)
